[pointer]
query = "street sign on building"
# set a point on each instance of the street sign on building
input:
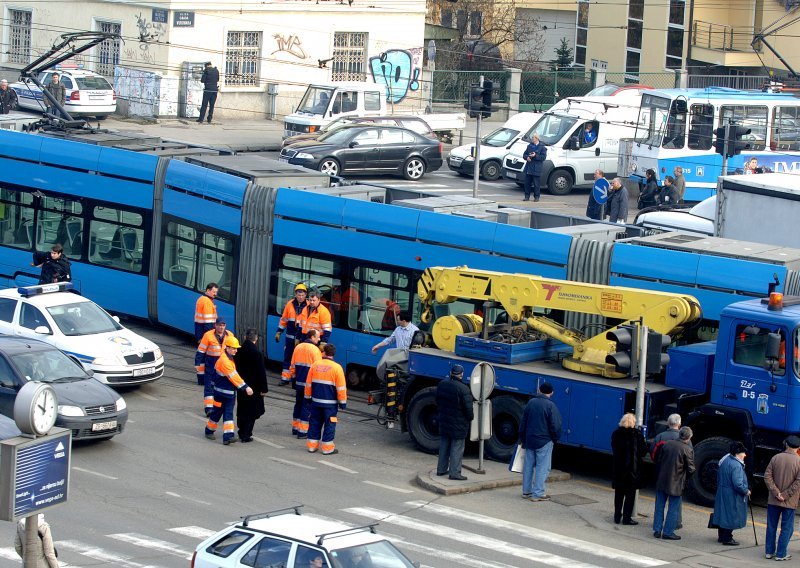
(182, 19)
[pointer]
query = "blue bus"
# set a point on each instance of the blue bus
(145, 234)
(676, 128)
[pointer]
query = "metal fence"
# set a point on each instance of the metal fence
(667, 80)
(451, 86)
(542, 89)
(730, 81)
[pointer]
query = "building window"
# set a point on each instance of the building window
(582, 32)
(634, 39)
(675, 34)
(447, 19)
(19, 36)
(108, 51)
(242, 59)
(349, 56)
(475, 23)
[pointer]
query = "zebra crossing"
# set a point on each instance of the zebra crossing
(438, 536)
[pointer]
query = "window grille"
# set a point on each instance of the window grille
(349, 56)
(243, 59)
(108, 51)
(20, 36)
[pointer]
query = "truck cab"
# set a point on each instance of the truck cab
(325, 102)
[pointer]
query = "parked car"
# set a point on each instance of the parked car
(699, 219)
(86, 406)
(75, 324)
(414, 123)
(87, 93)
(367, 149)
(287, 538)
(8, 428)
(611, 89)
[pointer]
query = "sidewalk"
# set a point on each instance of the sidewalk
(496, 475)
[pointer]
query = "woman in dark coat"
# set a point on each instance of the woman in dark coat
(250, 365)
(629, 448)
(730, 502)
(649, 196)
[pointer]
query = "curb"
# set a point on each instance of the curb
(429, 481)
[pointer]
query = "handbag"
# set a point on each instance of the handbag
(711, 523)
(517, 459)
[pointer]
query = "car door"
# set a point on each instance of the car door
(7, 308)
(396, 145)
(361, 152)
(267, 553)
(9, 386)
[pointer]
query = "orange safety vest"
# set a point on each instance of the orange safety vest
(205, 311)
(226, 375)
(303, 358)
(326, 385)
(319, 318)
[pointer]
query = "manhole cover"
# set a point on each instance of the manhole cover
(570, 500)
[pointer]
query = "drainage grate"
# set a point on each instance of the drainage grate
(570, 499)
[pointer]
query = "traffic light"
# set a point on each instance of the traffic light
(736, 144)
(486, 99)
(719, 143)
(656, 358)
(626, 358)
(474, 102)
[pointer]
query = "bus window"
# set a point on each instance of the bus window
(785, 128)
(116, 239)
(16, 218)
(752, 117)
(701, 127)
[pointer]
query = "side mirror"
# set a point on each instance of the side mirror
(353, 144)
(115, 318)
(43, 330)
(773, 349)
(574, 143)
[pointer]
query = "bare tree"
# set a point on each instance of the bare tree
(488, 34)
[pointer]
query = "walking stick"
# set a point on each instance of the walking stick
(752, 520)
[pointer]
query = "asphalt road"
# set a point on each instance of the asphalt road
(150, 495)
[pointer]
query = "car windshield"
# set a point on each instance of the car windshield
(93, 82)
(82, 318)
(381, 554)
(499, 137)
(551, 128)
(48, 366)
(315, 100)
(337, 136)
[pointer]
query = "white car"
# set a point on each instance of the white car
(87, 93)
(699, 219)
(287, 538)
(82, 329)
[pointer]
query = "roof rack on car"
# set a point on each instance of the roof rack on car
(248, 518)
(345, 532)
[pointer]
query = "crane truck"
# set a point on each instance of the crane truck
(743, 386)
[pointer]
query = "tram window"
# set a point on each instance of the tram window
(701, 127)
(675, 135)
(216, 263)
(16, 219)
(785, 128)
(60, 221)
(752, 117)
(385, 294)
(116, 241)
(323, 274)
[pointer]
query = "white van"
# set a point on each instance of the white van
(494, 147)
(572, 159)
(325, 102)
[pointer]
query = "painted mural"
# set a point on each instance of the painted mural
(399, 70)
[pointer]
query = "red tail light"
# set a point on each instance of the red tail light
(440, 147)
(75, 96)
(113, 95)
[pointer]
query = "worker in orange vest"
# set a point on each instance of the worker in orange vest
(315, 316)
(226, 382)
(326, 391)
(289, 324)
(205, 311)
(303, 358)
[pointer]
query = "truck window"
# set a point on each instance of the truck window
(346, 101)
(750, 347)
(315, 100)
(589, 133)
(372, 100)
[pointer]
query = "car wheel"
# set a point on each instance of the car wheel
(414, 168)
(560, 182)
(490, 171)
(329, 166)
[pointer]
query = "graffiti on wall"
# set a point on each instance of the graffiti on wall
(149, 32)
(290, 44)
(399, 70)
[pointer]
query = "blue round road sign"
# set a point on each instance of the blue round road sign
(600, 190)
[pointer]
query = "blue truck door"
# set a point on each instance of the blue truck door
(609, 406)
(747, 384)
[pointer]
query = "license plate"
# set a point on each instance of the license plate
(98, 426)
(456, 161)
(282, 159)
(143, 372)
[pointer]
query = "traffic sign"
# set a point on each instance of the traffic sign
(481, 381)
(600, 190)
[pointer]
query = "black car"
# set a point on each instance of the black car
(85, 405)
(367, 149)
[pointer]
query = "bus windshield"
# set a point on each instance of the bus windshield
(653, 116)
(551, 128)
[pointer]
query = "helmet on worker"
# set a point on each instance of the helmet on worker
(300, 288)
(232, 342)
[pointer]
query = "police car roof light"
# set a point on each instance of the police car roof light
(28, 291)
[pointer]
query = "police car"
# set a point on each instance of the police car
(87, 93)
(80, 328)
(287, 538)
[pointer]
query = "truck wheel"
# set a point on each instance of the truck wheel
(490, 171)
(560, 182)
(506, 418)
(423, 420)
(329, 166)
(702, 485)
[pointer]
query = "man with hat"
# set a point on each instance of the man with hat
(226, 382)
(454, 401)
(290, 323)
(782, 478)
(539, 430)
(206, 357)
(210, 80)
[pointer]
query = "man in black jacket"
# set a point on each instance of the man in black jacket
(55, 267)
(210, 80)
(455, 414)
(250, 364)
(539, 430)
(8, 98)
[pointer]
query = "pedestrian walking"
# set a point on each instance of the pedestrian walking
(782, 478)
(8, 98)
(250, 364)
(327, 392)
(210, 80)
(618, 202)
(674, 466)
(730, 502)
(205, 311)
(290, 324)
(628, 447)
(454, 402)
(401, 336)
(43, 551)
(226, 382)
(303, 358)
(679, 183)
(55, 266)
(539, 430)
(56, 89)
(594, 210)
(315, 316)
(649, 197)
(205, 359)
(671, 433)
(534, 156)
